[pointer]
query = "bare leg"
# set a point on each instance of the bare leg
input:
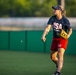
(60, 59)
(54, 57)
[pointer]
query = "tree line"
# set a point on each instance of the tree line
(33, 8)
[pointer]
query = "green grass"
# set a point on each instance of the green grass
(29, 63)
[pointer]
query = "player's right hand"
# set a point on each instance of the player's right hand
(43, 39)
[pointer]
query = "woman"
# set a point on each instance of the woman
(58, 21)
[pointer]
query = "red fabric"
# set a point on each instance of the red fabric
(59, 43)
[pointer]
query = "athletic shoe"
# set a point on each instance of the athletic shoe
(56, 73)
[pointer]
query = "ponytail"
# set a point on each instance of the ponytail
(63, 11)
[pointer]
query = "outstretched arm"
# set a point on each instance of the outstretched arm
(47, 29)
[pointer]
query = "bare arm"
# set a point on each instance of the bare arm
(47, 29)
(69, 32)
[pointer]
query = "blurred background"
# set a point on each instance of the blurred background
(22, 23)
(32, 14)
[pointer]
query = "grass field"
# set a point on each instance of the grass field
(29, 63)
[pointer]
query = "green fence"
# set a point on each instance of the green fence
(4, 39)
(31, 41)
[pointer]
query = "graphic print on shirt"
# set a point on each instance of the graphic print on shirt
(57, 26)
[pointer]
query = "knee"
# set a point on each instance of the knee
(53, 57)
(61, 53)
(60, 56)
